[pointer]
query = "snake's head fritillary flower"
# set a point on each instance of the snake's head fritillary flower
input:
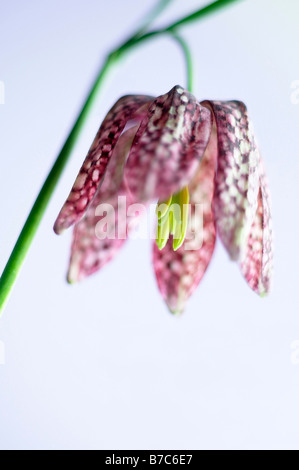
(178, 151)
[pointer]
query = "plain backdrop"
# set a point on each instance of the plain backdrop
(103, 365)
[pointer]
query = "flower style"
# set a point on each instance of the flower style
(150, 149)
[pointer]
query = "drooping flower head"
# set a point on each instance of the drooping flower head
(175, 150)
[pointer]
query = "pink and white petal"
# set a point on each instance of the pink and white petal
(94, 167)
(90, 251)
(179, 272)
(168, 146)
(95, 238)
(257, 258)
(237, 180)
(114, 177)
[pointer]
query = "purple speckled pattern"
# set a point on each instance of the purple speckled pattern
(256, 259)
(149, 149)
(237, 177)
(89, 252)
(242, 201)
(94, 167)
(179, 272)
(168, 146)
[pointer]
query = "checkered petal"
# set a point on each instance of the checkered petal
(168, 147)
(179, 272)
(94, 167)
(90, 249)
(257, 256)
(237, 179)
(90, 253)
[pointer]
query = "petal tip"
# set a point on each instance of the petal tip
(265, 289)
(58, 230)
(73, 275)
(176, 313)
(264, 294)
(71, 281)
(176, 306)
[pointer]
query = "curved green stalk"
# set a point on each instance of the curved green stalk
(150, 18)
(188, 59)
(29, 230)
(199, 14)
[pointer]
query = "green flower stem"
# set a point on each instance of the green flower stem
(29, 230)
(188, 59)
(150, 18)
(199, 14)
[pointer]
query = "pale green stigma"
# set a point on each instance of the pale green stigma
(173, 219)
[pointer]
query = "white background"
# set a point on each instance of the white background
(103, 364)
